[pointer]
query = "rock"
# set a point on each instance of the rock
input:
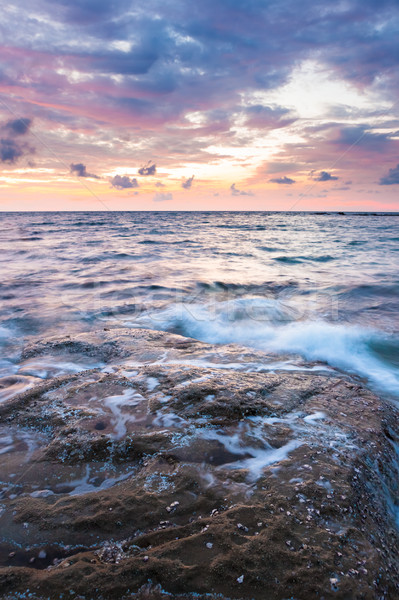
(218, 430)
(42, 494)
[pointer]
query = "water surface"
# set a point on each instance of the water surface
(324, 286)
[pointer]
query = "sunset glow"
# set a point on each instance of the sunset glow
(226, 105)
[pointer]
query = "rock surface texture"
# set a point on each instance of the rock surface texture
(180, 469)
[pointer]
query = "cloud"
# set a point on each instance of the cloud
(123, 182)
(162, 197)
(237, 192)
(178, 78)
(10, 149)
(324, 176)
(187, 183)
(392, 177)
(361, 137)
(278, 167)
(148, 169)
(159, 184)
(268, 117)
(79, 169)
(282, 180)
(19, 126)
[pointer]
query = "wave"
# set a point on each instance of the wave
(292, 260)
(289, 260)
(98, 258)
(272, 326)
(242, 227)
(269, 249)
(151, 242)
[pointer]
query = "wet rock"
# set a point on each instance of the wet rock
(42, 494)
(280, 468)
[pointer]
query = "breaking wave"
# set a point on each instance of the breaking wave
(272, 326)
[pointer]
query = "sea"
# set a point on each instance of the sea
(323, 287)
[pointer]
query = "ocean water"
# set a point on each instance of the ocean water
(320, 286)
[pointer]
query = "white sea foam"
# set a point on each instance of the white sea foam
(116, 404)
(85, 485)
(18, 385)
(152, 383)
(45, 367)
(348, 347)
(11, 440)
(256, 456)
(315, 417)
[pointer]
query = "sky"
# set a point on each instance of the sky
(208, 105)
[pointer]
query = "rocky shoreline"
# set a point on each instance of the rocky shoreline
(180, 469)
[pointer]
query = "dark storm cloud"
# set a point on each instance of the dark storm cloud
(392, 177)
(79, 169)
(324, 176)
(123, 182)
(236, 192)
(149, 169)
(282, 180)
(187, 183)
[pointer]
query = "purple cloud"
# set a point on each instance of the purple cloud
(12, 149)
(324, 176)
(268, 117)
(392, 177)
(187, 183)
(105, 72)
(162, 197)
(79, 169)
(282, 180)
(123, 182)
(148, 169)
(19, 126)
(236, 192)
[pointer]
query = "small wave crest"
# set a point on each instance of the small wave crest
(294, 260)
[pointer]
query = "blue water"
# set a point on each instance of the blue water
(324, 286)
